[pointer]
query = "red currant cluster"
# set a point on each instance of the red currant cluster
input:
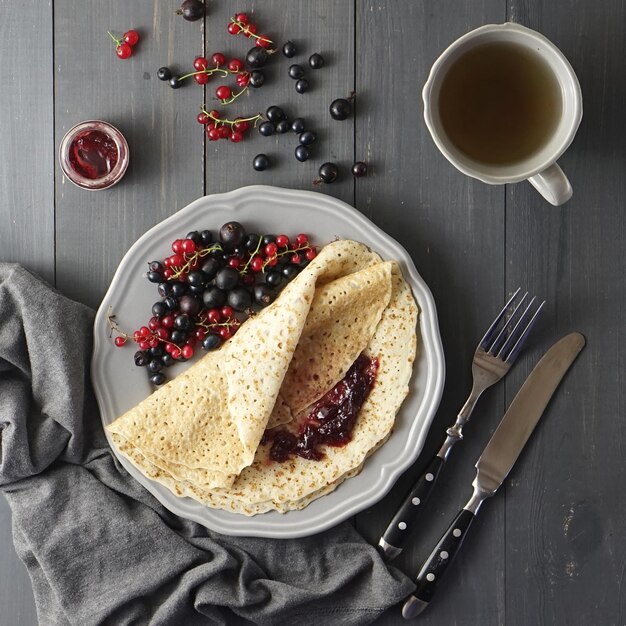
(124, 46)
(208, 288)
(240, 25)
(222, 128)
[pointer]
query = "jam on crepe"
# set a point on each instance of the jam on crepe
(332, 418)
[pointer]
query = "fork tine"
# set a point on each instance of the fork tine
(513, 327)
(485, 342)
(506, 329)
(519, 344)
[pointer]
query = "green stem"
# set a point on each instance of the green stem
(210, 72)
(117, 41)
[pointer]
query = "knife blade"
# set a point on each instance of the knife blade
(496, 461)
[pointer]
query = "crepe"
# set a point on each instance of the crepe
(204, 427)
(290, 485)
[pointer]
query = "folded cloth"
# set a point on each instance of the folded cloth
(99, 548)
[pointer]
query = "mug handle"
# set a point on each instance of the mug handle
(552, 184)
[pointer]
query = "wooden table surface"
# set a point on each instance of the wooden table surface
(550, 547)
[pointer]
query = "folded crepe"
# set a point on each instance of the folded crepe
(202, 429)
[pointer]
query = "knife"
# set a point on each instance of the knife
(496, 462)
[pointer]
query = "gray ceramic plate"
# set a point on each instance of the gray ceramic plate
(119, 384)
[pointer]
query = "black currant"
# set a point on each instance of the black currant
(296, 71)
(359, 169)
(183, 322)
(140, 358)
(156, 351)
(209, 268)
(307, 138)
(155, 266)
(164, 73)
(239, 299)
(290, 271)
(316, 61)
(191, 10)
(154, 277)
(257, 78)
(206, 237)
(157, 379)
(178, 289)
(252, 242)
(164, 289)
(159, 309)
(155, 365)
(232, 234)
(273, 278)
(194, 235)
(167, 360)
(226, 278)
(282, 127)
(178, 337)
(190, 305)
(302, 153)
(328, 172)
(260, 163)
(289, 49)
(196, 278)
(263, 294)
(340, 109)
(211, 341)
(274, 114)
(213, 297)
(171, 303)
(267, 239)
(298, 126)
(302, 85)
(266, 129)
(175, 82)
(257, 57)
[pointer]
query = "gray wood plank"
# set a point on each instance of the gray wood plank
(454, 229)
(166, 171)
(566, 503)
(27, 146)
(324, 26)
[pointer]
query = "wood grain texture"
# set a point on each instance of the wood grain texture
(324, 26)
(94, 229)
(565, 498)
(454, 230)
(27, 139)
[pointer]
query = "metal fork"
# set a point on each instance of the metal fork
(494, 356)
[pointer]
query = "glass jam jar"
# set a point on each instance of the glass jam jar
(94, 155)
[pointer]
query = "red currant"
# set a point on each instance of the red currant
(200, 334)
(250, 30)
(302, 239)
(131, 37)
(241, 126)
(201, 79)
(120, 341)
(169, 347)
(189, 246)
(271, 249)
(144, 345)
(153, 342)
(264, 41)
(123, 50)
(234, 262)
(243, 80)
(225, 332)
(167, 274)
(176, 353)
(242, 18)
(224, 132)
(227, 312)
(218, 59)
(214, 113)
(177, 260)
(154, 323)
(223, 92)
(200, 63)
(233, 28)
(167, 321)
(236, 137)
(214, 316)
(235, 65)
(177, 246)
(203, 118)
(256, 263)
(272, 261)
(295, 259)
(282, 241)
(144, 331)
(162, 333)
(310, 254)
(187, 352)
(213, 134)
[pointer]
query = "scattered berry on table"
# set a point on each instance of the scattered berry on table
(307, 138)
(328, 173)
(302, 153)
(296, 71)
(257, 78)
(260, 162)
(275, 114)
(289, 49)
(257, 57)
(282, 127)
(266, 129)
(191, 10)
(302, 85)
(164, 73)
(175, 82)
(131, 37)
(123, 48)
(239, 24)
(340, 109)
(316, 61)
(359, 169)
(298, 125)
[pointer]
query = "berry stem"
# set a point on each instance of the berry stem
(301, 248)
(233, 97)
(191, 258)
(258, 247)
(219, 120)
(246, 31)
(117, 41)
(208, 71)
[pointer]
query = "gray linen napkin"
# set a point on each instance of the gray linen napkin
(99, 548)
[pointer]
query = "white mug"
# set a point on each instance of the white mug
(540, 169)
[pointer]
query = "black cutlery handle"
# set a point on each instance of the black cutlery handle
(397, 534)
(440, 558)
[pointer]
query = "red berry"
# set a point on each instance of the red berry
(264, 41)
(189, 246)
(282, 241)
(250, 30)
(218, 58)
(272, 261)
(123, 51)
(302, 239)
(144, 331)
(270, 249)
(256, 264)
(214, 316)
(243, 80)
(242, 18)
(213, 134)
(310, 254)
(234, 262)
(201, 79)
(166, 262)
(225, 332)
(187, 352)
(137, 336)
(233, 28)
(177, 246)
(167, 321)
(131, 37)
(153, 342)
(200, 63)
(223, 92)
(227, 312)
(241, 126)
(295, 259)
(154, 323)
(224, 132)
(203, 118)
(120, 341)
(176, 353)
(214, 113)
(210, 125)
(167, 274)
(144, 345)
(169, 347)
(247, 279)
(176, 260)
(236, 137)
(200, 334)
(235, 65)
(162, 333)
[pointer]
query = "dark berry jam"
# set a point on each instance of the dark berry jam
(332, 418)
(93, 154)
